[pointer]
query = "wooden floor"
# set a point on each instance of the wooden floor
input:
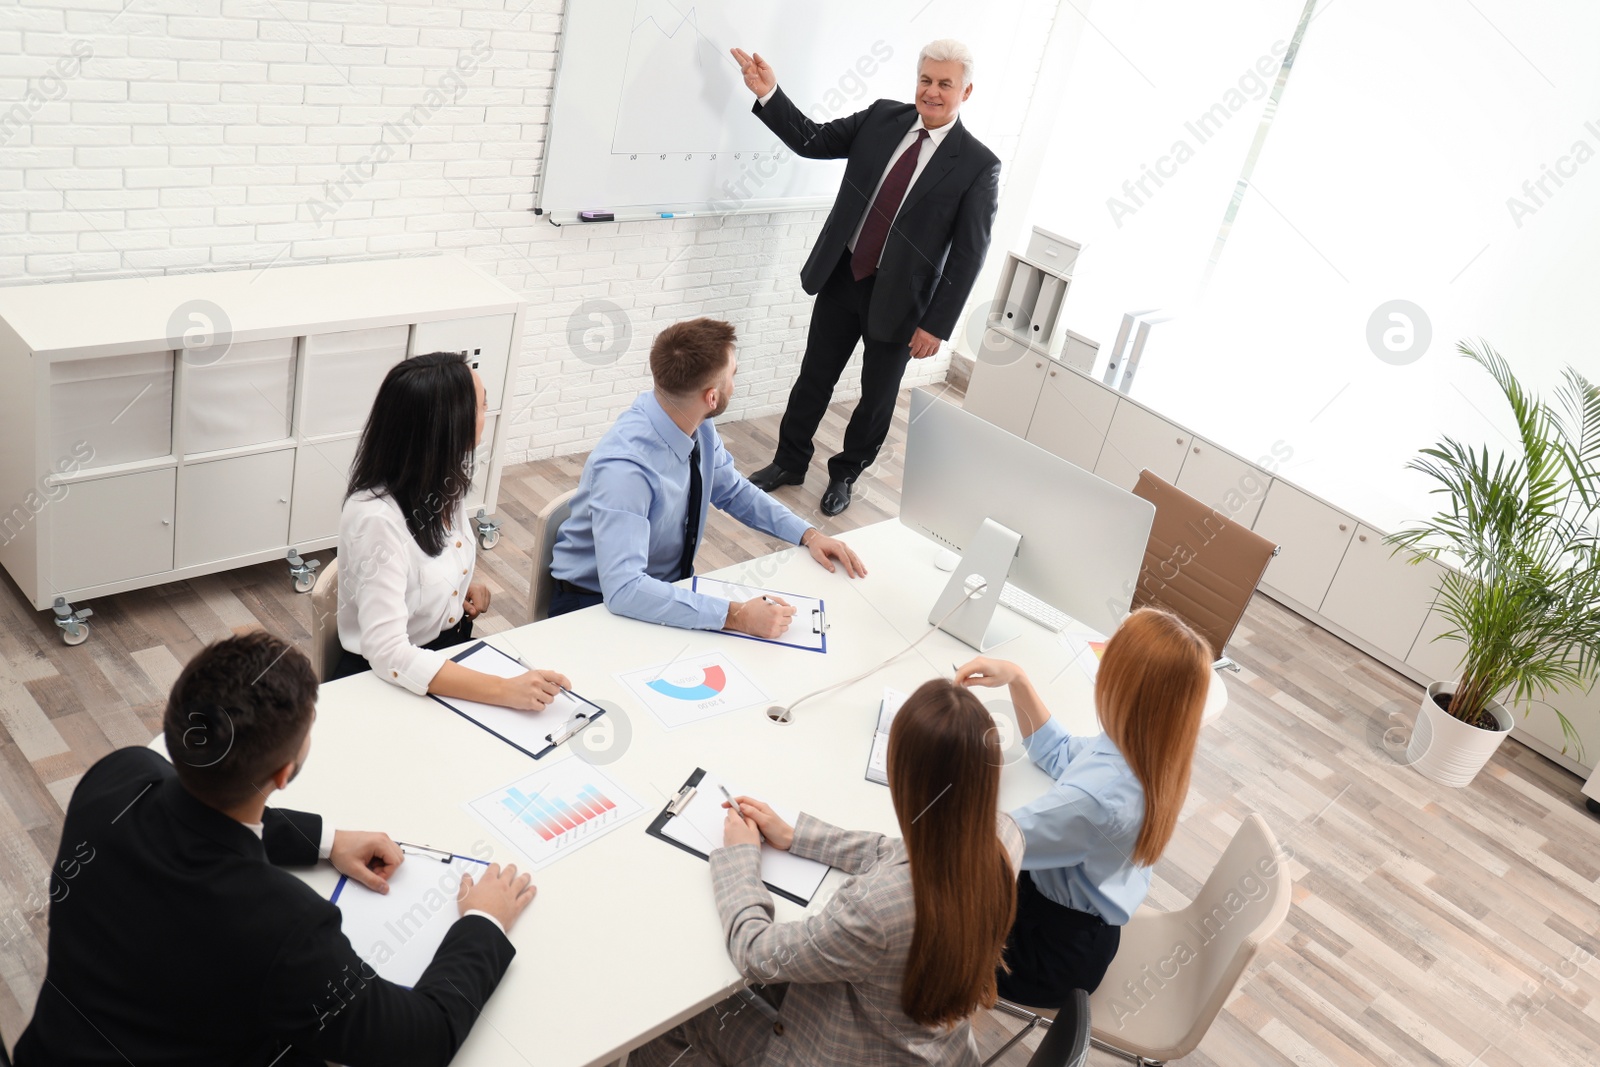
(1430, 925)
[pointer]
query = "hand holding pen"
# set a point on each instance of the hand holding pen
(761, 821)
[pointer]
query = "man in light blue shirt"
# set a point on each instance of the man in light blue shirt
(640, 509)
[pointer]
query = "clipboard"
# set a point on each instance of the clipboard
(397, 933)
(684, 798)
(818, 629)
(518, 728)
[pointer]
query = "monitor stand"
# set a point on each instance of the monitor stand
(987, 559)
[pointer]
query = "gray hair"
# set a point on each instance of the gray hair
(943, 51)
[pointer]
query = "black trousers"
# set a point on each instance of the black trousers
(838, 321)
(1053, 950)
(568, 597)
(351, 663)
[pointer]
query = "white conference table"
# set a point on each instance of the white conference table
(623, 940)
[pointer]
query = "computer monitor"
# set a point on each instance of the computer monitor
(1017, 513)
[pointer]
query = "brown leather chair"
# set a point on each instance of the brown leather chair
(1199, 564)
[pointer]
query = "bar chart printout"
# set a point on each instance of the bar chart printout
(555, 810)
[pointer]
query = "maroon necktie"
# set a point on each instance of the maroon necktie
(869, 246)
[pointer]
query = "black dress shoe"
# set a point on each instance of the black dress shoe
(835, 498)
(771, 476)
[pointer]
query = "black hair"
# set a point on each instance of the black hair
(417, 446)
(238, 712)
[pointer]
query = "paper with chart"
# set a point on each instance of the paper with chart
(700, 826)
(878, 760)
(525, 730)
(555, 811)
(398, 932)
(689, 690)
(808, 629)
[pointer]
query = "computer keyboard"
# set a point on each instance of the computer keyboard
(1032, 608)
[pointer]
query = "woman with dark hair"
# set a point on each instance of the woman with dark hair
(406, 555)
(891, 969)
(1094, 836)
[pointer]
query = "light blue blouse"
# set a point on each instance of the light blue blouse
(1080, 834)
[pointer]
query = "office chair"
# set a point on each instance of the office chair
(325, 647)
(1066, 1039)
(1154, 1004)
(540, 585)
(1199, 564)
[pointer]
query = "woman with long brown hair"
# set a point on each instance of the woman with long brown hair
(1092, 839)
(891, 969)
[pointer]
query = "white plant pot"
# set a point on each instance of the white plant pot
(1447, 750)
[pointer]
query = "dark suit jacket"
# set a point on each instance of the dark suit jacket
(175, 939)
(938, 240)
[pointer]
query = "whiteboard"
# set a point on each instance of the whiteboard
(650, 114)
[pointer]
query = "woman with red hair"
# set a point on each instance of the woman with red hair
(1092, 839)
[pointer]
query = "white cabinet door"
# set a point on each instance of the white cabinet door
(1536, 719)
(1312, 537)
(1439, 661)
(1072, 416)
(321, 475)
(485, 341)
(480, 466)
(1140, 440)
(1380, 597)
(1226, 482)
(233, 507)
(1005, 383)
(112, 529)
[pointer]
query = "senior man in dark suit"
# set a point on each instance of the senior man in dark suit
(896, 259)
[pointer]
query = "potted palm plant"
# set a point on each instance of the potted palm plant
(1521, 589)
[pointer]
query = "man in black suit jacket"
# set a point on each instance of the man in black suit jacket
(896, 259)
(176, 939)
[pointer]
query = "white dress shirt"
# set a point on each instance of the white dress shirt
(325, 850)
(393, 597)
(925, 153)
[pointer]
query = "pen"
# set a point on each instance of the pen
(732, 803)
(524, 663)
(439, 854)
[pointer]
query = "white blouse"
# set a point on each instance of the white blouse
(394, 597)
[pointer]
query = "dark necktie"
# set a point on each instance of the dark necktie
(875, 231)
(691, 522)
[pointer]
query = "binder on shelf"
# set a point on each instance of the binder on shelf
(1021, 298)
(1042, 326)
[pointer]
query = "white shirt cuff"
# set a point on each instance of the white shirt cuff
(762, 100)
(486, 915)
(325, 849)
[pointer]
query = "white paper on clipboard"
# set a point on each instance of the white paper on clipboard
(808, 629)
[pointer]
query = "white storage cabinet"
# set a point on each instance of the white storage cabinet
(153, 429)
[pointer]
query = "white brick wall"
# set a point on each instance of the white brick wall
(168, 136)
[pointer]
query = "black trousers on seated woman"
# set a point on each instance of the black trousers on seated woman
(351, 663)
(1053, 949)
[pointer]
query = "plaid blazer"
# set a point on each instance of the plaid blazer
(843, 965)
